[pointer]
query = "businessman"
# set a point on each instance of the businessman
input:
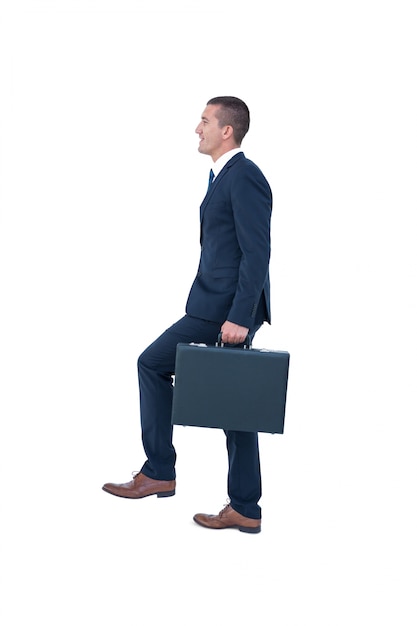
(230, 294)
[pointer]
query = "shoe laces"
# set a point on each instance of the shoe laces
(226, 507)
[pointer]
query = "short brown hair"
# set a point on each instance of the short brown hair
(233, 112)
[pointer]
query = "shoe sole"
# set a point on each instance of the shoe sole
(158, 494)
(165, 494)
(243, 529)
(248, 529)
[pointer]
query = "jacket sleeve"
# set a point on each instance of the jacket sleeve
(251, 199)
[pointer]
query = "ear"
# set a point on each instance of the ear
(227, 131)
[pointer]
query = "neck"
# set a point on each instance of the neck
(217, 156)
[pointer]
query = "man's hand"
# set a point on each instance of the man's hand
(233, 333)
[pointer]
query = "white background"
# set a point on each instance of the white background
(101, 183)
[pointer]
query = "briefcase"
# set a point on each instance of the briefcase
(230, 388)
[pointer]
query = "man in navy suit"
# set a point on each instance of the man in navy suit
(230, 294)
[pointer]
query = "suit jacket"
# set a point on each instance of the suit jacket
(232, 281)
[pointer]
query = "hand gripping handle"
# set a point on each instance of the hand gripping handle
(247, 345)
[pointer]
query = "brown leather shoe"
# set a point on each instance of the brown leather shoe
(229, 518)
(142, 486)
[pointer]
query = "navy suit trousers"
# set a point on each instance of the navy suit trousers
(156, 367)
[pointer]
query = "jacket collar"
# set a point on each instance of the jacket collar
(224, 159)
(223, 172)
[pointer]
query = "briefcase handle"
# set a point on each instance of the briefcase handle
(247, 345)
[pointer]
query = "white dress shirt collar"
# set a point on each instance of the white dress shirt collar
(221, 161)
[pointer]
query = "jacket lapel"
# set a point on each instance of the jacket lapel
(217, 180)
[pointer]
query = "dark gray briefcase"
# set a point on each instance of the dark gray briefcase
(230, 388)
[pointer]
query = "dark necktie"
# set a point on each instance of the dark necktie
(211, 176)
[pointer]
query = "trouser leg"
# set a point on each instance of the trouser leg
(156, 366)
(244, 476)
(244, 486)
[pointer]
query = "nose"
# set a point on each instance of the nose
(198, 129)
